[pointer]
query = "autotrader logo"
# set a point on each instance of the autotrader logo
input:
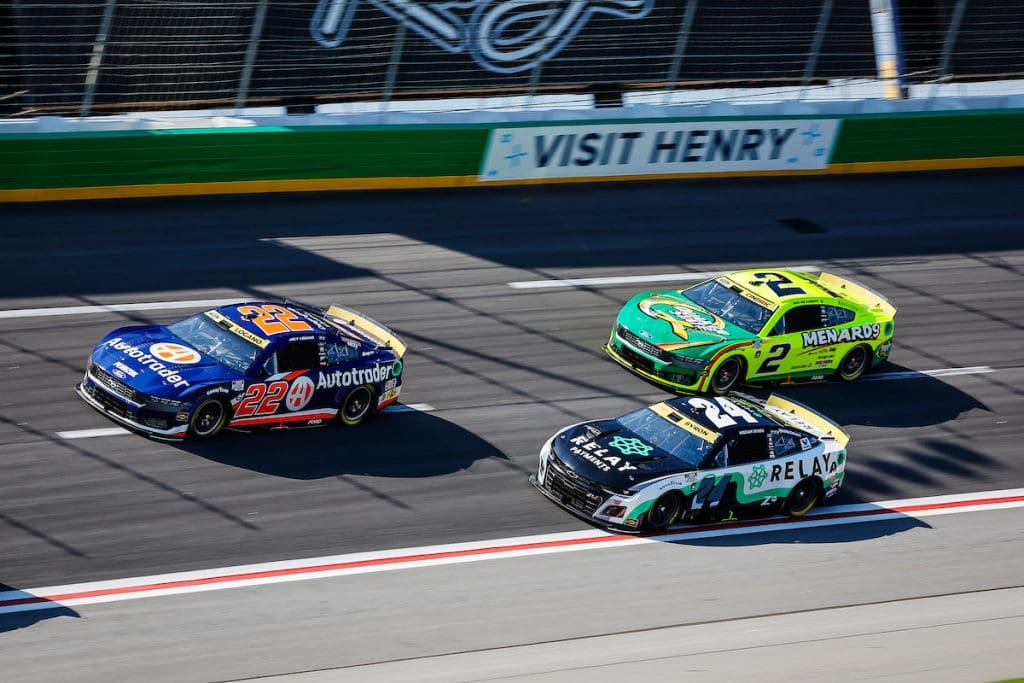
(503, 36)
(174, 353)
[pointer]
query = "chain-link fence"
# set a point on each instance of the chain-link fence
(72, 57)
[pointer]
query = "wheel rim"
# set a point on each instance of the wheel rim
(663, 512)
(854, 362)
(357, 404)
(803, 497)
(726, 375)
(208, 418)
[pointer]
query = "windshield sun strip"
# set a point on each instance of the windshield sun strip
(672, 415)
(224, 321)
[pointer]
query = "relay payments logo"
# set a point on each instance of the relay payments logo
(503, 36)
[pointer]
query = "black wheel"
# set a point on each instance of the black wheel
(729, 372)
(357, 405)
(803, 497)
(854, 363)
(208, 419)
(664, 511)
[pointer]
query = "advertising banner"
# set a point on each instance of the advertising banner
(619, 149)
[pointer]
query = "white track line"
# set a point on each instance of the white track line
(917, 374)
(119, 431)
(634, 279)
(51, 597)
(115, 308)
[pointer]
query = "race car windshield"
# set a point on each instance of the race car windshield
(729, 305)
(656, 430)
(223, 346)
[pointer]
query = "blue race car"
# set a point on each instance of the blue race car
(242, 366)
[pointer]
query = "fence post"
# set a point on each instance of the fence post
(680, 49)
(819, 38)
(888, 60)
(396, 57)
(99, 47)
(250, 54)
(951, 34)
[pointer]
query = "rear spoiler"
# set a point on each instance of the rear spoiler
(850, 289)
(802, 417)
(368, 326)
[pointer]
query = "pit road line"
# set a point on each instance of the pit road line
(362, 563)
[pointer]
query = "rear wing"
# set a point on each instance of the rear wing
(865, 296)
(800, 416)
(376, 331)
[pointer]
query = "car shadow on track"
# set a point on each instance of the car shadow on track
(863, 530)
(892, 396)
(400, 444)
(45, 609)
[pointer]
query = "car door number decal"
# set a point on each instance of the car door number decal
(261, 399)
(709, 493)
(720, 411)
(273, 319)
(775, 355)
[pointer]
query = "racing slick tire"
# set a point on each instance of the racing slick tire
(728, 374)
(854, 363)
(207, 419)
(664, 512)
(803, 497)
(358, 405)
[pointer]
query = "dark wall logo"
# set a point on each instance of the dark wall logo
(502, 36)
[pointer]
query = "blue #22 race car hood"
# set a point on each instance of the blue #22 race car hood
(152, 360)
(595, 450)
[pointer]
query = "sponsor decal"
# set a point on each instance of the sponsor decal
(586, 448)
(217, 390)
(348, 378)
(299, 393)
(757, 476)
(237, 385)
(125, 369)
(396, 368)
(169, 375)
(657, 148)
(388, 396)
(175, 353)
(799, 469)
(834, 336)
(630, 446)
(118, 373)
(314, 421)
(682, 318)
(502, 36)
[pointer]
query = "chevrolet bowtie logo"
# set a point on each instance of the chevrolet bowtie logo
(503, 36)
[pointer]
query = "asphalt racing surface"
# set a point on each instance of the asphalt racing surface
(495, 367)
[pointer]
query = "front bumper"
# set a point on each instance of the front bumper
(659, 372)
(577, 495)
(128, 414)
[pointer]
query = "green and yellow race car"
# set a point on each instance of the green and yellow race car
(754, 325)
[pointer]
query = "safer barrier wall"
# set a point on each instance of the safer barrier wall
(48, 166)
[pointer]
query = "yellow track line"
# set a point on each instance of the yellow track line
(400, 183)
